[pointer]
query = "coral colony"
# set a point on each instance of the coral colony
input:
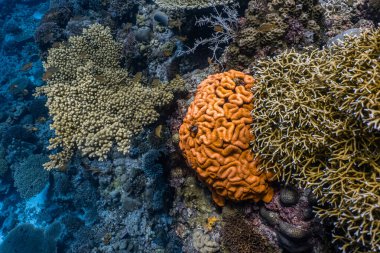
(189, 126)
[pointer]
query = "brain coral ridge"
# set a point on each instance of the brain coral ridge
(215, 137)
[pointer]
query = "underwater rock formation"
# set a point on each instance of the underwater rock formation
(215, 137)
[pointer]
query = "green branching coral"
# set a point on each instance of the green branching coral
(93, 102)
(317, 121)
(190, 4)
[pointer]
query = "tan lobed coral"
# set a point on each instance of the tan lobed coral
(190, 4)
(93, 103)
(215, 137)
(315, 122)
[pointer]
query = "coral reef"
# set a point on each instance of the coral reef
(193, 4)
(197, 222)
(225, 24)
(29, 177)
(316, 121)
(3, 166)
(28, 239)
(240, 236)
(270, 26)
(203, 243)
(342, 15)
(148, 200)
(93, 102)
(295, 229)
(215, 136)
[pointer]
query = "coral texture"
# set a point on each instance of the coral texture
(189, 4)
(27, 238)
(93, 102)
(203, 243)
(215, 137)
(316, 120)
(3, 166)
(240, 236)
(30, 177)
(270, 26)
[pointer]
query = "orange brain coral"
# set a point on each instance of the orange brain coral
(215, 137)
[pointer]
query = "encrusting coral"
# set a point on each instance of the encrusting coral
(93, 102)
(215, 137)
(316, 120)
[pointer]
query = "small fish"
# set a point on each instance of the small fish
(127, 26)
(27, 66)
(156, 82)
(158, 131)
(175, 23)
(182, 38)
(41, 119)
(34, 58)
(49, 73)
(56, 44)
(218, 28)
(137, 77)
(83, 54)
(100, 78)
(77, 18)
(266, 27)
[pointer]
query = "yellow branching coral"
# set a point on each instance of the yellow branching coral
(93, 103)
(356, 80)
(316, 121)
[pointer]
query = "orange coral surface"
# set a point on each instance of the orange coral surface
(215, 137)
